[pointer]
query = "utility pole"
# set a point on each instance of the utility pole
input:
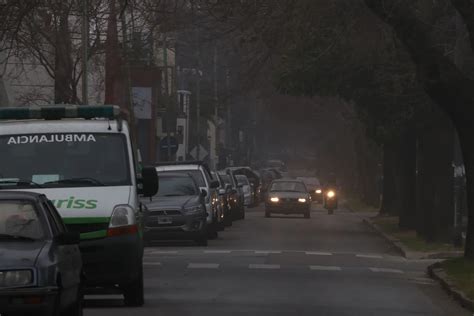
(216, 106)
(198, 97)
(85, 46)
(228, 109)
(168, 107)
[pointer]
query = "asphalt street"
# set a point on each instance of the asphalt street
(326, 265)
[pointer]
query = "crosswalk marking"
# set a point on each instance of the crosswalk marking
(216, 251)
(385, 270)
(203, 266)
(325, 268)
(318, 253)
(264, 266)
(369, 256)
(266, 252)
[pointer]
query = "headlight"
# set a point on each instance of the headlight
(274, 199)
(15, 278)
(302, 200)
(331, 194)
(193, 210)
(319, 191)
(123, 215)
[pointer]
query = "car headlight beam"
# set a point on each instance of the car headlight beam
(274, 199)
(331, 194)
(302, 200)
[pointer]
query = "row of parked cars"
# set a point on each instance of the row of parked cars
(195, 203)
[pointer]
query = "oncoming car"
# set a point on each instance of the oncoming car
(288, 197)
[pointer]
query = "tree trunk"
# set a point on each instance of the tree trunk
(63, 66)
(407, 179)
(390, 199)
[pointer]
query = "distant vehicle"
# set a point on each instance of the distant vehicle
(235, 195)
(314, 187)
(276, 164)
(41, 265)
(288, 197)
(244, 182)
(240, 193)
(225, 196)
(202, 175)
(255, 182)
(177, 211)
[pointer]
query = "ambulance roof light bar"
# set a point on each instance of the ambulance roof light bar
(57, 112)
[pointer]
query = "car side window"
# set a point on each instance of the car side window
(57, 217)
(52, 222)
(208, 176)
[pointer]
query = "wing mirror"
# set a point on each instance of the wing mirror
(148, 183)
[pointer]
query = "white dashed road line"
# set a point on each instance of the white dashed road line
(203, 266)
(317, 253)
(264, 266)
(325, 268)
(216, 251)
(385, 270)
(369, 256)
(146, 263)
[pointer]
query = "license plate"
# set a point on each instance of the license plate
(165, 220)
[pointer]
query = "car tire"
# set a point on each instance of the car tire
(133, 292)
(77, 308)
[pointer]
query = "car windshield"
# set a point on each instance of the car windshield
(226, 178)
(63, 160)
(19, 221)
(242, 180)
(176, 185)
(195, 174)
(290, 186)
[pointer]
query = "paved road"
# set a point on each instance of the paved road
(326, 265)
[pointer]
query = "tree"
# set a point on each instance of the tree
(446, 84)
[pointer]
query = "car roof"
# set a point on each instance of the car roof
(288, 180)
(178, 167)
(165, 173)
(19, 195)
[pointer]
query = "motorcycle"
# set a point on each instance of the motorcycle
(330, 200)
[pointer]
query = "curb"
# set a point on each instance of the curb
(391, 240)
(437, 273)
(404, 251)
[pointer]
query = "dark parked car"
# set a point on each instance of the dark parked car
(41, 265)
(177, 211)
(233, 196)
(255, 183)
(240, 214)
(225, 198)
(288, 197)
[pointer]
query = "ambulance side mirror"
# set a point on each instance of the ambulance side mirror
(148, 184)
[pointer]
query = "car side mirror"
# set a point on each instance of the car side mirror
(148, 184)
(214, 184)
(203, 193)
(68, 238)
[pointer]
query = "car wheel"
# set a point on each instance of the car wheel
(133, 292)
(77, 308)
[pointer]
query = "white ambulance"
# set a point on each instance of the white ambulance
(83, 159)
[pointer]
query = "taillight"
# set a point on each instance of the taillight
(122, 221)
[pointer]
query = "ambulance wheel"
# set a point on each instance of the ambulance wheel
(133, 292)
